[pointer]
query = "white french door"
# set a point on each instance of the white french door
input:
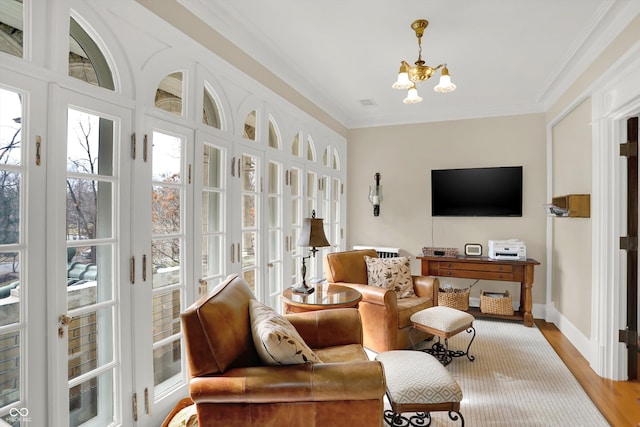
(163, 254)
(87, 260)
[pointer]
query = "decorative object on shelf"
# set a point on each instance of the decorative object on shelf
(408, 76)
(312, 236)
(496, 303)
(473, 249)
(444, 252)
(571, 205)
(375, 195)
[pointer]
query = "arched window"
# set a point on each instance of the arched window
(210, 110)
(336, 161)
(295, 146)
(250, 126)
(311, 150)
(274, 139)
(12, 27)
(326, 157)
(169, 94)
(86, 61)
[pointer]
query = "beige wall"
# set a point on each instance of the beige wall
(405, 155)
(571, 272)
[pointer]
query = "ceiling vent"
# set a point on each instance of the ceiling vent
(368, 103)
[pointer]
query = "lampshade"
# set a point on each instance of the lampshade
(403, 81)
(445, 84)
(412, 96)
(312, 234)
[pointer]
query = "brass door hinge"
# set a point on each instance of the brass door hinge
(133, 146)
(135, 406)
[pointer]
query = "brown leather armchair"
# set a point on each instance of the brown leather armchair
(231, 386)
(385, 318)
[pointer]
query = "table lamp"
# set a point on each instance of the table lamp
(312, 236)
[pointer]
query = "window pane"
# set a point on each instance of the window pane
(210, 112)
(92, 400)
(295, 147)
(169, 94)
(274, 142)
(165, 255)
(212, 162)
(211, 212)
(167, 150)
(211, 256)
(89, 338)
(165, 214)
(249, 248)
(12, 27)
(248, 210)
(311, 151)
(249, 174)
(10, 372)
(9, 207)
(89, 209)
(250, 126)
(86, 60)
(89, 144)
(10, 127)
(9, 288)
(84, 285)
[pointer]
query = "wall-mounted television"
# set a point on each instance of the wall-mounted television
(492, 191)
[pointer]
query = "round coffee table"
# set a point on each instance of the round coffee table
(325, 296)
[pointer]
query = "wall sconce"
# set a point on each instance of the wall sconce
(375, 195)
(312, 236)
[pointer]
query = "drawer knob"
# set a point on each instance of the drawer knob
(499, 276)
(448, 273)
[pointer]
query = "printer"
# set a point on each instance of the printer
(512, 249)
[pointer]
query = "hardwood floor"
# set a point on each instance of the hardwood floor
(619, 401)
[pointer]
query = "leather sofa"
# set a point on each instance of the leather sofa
(231, 386)
(385, 318)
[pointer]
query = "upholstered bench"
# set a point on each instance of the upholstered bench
(417, 382)
(444, 322)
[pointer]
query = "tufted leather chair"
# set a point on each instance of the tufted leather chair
(231, 387)
(385, 318)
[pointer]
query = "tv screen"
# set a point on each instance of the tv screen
(495, 191)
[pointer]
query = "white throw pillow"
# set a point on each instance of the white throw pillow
(391, 273)
(277, 341)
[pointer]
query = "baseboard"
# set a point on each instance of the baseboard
(582, 343)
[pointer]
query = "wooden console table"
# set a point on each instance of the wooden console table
(487, 269)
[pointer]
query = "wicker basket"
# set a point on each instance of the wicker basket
(454, 298)
(496, 303)
(445, 252)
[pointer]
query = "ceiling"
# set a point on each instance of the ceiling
(505, 56)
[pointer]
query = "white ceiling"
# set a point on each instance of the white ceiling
(506, 56)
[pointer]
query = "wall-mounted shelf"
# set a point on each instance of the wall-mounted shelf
(571, 205)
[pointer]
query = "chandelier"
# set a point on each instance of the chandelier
(408, 76)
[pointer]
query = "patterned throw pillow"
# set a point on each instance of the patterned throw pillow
(277, 341)
(391, 273)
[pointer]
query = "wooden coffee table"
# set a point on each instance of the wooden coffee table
(325, 296)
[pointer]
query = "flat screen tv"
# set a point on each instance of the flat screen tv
(494, 191)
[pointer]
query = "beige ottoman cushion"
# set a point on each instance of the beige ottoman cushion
(445, 319)
(415, 377)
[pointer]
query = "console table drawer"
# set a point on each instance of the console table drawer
(477, 274)
(504, 268)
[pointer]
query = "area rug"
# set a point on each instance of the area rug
(517, 379)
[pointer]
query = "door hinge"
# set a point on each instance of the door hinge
(628, 337)
(629, 243)
(38, 147)
(629, 149)
(145, 145)
(132, 270)
(135, 407)
(133, 146)
(189, 175)
(147, 406)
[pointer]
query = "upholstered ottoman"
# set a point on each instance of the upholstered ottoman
(417, 382)
(444, 322)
